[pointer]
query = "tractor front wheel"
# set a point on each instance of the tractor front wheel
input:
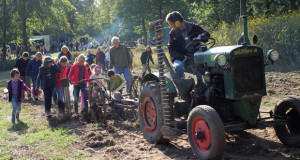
(206, 133)
(289, 134)
(150, 113)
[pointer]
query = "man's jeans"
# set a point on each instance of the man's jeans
(126, 73)
(60, 94)
(82, 88)
(48, 97)
(179, 68)
(16, 108)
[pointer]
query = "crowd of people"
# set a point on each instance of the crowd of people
(46, 74)
(38, 75)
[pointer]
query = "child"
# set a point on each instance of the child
(59, 91)
(16, 88)
(97, 74)
(79, 72)
(21, 64)
(32, 70)
(145, 58)
(47, 78)
(81, 94)
(54, 94)
(116, 82)
(69, 65)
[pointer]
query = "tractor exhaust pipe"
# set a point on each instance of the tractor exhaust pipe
(243, 12)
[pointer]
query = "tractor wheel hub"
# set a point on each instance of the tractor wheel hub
(200, 135)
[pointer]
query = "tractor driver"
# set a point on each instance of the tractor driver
(180, 36)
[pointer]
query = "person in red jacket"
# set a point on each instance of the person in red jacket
(59, 91)
(79, 72)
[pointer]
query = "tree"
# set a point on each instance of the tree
(4, 26)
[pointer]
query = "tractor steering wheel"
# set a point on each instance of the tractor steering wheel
(198, 42)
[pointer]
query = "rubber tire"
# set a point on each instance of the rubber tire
(281, 130)
(216, 127)
(154, 93)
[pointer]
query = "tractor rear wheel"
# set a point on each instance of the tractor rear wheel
(150, 113)
(206, 133)
(289, 134)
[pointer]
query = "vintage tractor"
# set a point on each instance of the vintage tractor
(226, 97)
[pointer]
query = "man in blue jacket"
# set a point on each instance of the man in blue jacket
(32, 70)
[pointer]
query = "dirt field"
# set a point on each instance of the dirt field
(122, 139)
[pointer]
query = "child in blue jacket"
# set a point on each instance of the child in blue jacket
(32, 70)
(47, 79)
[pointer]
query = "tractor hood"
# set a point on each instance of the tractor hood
(242, 67)
(208, 57)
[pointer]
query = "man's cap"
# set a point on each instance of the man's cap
(97, 69)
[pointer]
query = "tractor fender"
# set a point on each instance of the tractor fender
(155, 77)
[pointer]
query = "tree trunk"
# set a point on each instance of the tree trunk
(24, 25)
(243, 8)
(292, 5)
(4, 29)
(144, 32)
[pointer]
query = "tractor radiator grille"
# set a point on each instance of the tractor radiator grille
(248, 74)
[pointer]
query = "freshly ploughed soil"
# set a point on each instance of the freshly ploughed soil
(125, 140)
(122, 138)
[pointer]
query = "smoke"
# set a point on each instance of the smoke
(110, 32)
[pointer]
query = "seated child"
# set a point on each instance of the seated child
(116, 83)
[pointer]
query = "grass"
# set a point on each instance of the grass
(3, 80)
(269, 101)
(32, 138)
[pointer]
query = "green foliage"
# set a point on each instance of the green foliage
(7, 65)
(212, 12)
(280, 32)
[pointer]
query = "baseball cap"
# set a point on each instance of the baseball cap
(48, 59)
(97, 69)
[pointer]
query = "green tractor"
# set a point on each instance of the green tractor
(225, 97)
